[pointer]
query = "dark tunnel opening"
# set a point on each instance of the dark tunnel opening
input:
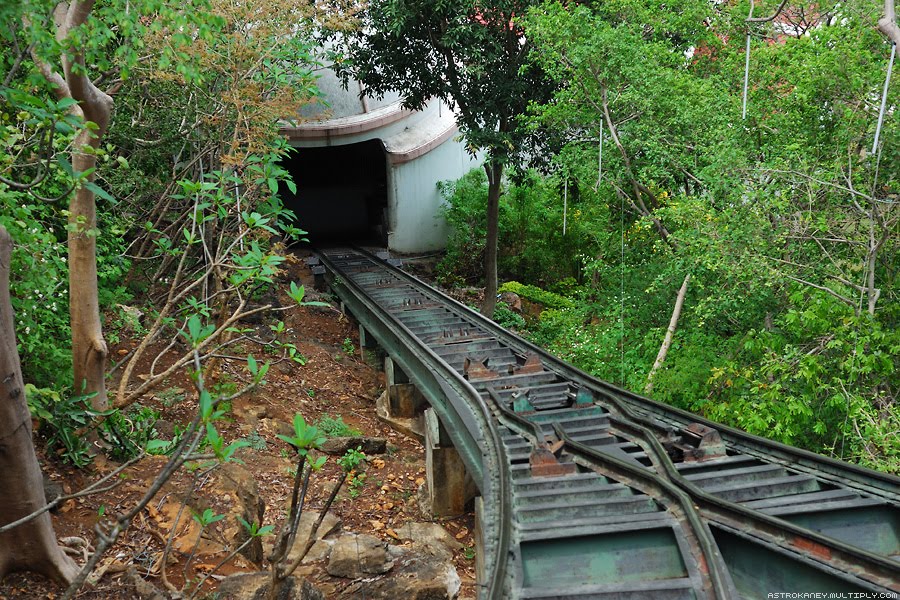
(341, 193)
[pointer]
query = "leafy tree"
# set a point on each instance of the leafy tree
(469, 54)
(205, 227)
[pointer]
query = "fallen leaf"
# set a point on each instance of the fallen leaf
(392, 533)
(378, 463)
(462, 533)
(420, 481)
(376, 525)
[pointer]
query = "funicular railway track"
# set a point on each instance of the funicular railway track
(590, 491)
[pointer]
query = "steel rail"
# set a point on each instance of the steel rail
(459, 407)
(471, 424)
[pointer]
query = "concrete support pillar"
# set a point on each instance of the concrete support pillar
(405, 401)
(367, 346)
(448, 487)
(479, 538)
(393, 373)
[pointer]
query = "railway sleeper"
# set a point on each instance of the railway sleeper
(768, 488)
(681, 588)
(717, 464)
(561, 508)
(580, 494)
(641, 562)
(595, 525)
(755, 473)
(575, 481)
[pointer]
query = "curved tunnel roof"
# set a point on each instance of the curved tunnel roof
(349, 116)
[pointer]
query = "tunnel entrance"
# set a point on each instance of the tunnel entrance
(341, 193)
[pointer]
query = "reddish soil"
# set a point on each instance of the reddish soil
(334, 381)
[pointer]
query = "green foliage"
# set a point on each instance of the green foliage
(254, 530)
(356, 485)
(352, 460)
(335, 427)
(256, 441)
(64, 421)
(348, 347)
(126, 433)
(39, 285)
(476, 64)
(530, 228)
(505, 317)
(305, 438)
(536, 294)
(820, 379)
(206, 518)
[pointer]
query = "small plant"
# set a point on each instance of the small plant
(348, 347)
(335, 427)
(351, 463)
(352, 459)
(171, 396)
(128, 432)
(204, 519)
(287, 349)
(255, 441)
(356, 485)
(469, 552)
(64, 420)
(311, 393)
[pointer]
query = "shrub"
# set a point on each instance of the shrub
(335, 427)
(536, 294)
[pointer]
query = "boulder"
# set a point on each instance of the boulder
(429, 539)
(415, 576)
(330, 524)
(238, 482)
(255, 586)
(354, 556)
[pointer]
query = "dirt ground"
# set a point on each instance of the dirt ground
(335, 381)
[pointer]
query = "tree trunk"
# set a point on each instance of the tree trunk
(670, 333)
(95, 106)
(31, 546)
(88, 346)
(494, 171)
(888, 23)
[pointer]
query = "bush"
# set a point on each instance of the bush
(505, 317)
(335, 427)
(537, 295)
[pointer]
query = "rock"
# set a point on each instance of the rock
(354, 556)
(430, 539)
(164, 429)
(132, 317)
(247, 411)
(366, 445)
(321, 550)
(255, 586)
(285, 367)
(52, 491)
(143, 589)
(240, 483)
(330, 524)
(512, 300)
(414, 577)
